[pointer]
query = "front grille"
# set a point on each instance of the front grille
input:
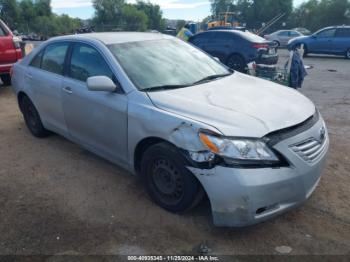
(310, 149)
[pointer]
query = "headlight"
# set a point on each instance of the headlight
(239, 150)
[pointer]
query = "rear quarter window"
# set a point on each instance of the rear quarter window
(2, 31)
(202, 38)
(343, 32)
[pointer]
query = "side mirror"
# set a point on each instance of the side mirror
(216, 58)
(314, 36)
(101, 83)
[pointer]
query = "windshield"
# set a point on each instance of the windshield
(152, 64)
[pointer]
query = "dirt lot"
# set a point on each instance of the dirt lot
(56, 198)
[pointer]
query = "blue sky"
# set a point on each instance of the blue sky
(173, 9)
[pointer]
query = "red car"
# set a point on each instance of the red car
(10, 52)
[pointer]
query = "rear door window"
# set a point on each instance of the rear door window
(223, 37)
(86, 62)
(343, 32)
(294, 34)
(54, 57)
(283, 33)
(36, 62)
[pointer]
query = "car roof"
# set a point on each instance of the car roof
(336, 26)
(109, 38)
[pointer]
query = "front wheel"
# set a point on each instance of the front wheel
(169, 183)
(32, 118)
(347, 55)
(6, 79)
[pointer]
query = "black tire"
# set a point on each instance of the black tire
(347, 54)
(236, 62)
(169, 183)
(306, 52)
(277, 43)
(32, 118)
(6, 79)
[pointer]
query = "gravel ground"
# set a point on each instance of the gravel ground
(57, 198)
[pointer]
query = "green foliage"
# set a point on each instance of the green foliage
(28, 16)
(112, 15)
(108, 12)
(219, 6)
(318, 14)
(154, 15)
(9, 11)
(134, 19)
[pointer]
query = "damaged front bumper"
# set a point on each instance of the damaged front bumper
(240, 196)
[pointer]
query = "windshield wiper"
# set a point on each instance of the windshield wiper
(212, 77)
(163, 87)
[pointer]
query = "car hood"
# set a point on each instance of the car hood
(238, 105)
(299, 38)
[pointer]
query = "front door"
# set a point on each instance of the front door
(323, 41)
(95, 119)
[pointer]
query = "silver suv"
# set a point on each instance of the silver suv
(179, 119)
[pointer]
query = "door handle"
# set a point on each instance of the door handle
(68, 90)
(29, 76)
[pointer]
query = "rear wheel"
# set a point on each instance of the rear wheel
(32, 118)
(169, 183)
(236, 62)
(347, 55)
(6, 79)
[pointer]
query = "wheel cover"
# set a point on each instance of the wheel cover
(167, 181)
(32, 117)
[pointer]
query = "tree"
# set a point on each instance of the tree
(43, 7)
(108, 12)
(219, 6)
(317, 14)
(9, 12)
(27, 11)
(154, 14)
(133, 19)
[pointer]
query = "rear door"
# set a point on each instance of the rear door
(341, 42)
(45, 76)
(220, 45)
(95, 119)
(7, 48)
(283, 37)
(200, 40)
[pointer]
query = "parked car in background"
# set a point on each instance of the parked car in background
(282, 37)
(235, 48)
(240, 28)
(179, 119)
(333, 40)
(302, 30)
(10, 52)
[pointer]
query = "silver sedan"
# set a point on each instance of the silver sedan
(179, 119)
(282, 37)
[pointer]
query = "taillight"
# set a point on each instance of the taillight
(258, 46)
(16, 42)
